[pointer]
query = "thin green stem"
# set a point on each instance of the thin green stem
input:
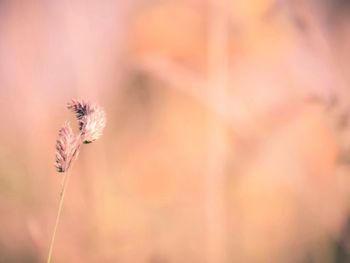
(63, 191)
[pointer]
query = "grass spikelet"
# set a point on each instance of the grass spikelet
(91, 120)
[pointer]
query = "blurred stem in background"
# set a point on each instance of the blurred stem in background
(218, 75)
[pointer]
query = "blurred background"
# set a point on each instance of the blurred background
(228, 135)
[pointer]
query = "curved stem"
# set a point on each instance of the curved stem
(63, 191)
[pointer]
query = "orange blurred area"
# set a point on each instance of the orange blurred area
(227, 136)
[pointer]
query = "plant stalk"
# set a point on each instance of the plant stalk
(62, 194)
